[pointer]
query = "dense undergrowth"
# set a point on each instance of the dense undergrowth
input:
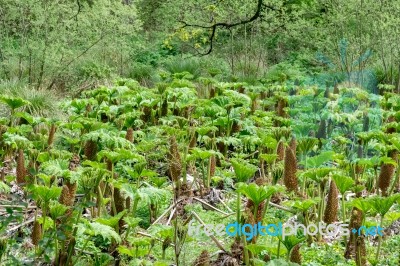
(117, 176)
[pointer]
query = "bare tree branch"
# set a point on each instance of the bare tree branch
(215, 26)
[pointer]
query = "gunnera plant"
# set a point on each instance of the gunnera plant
(293, 145)
(212, 165)
(236, 127)
(37, 233)
(282, 103)
(129, 135)
(119, 200)
(289, 171)
(280, 151)
(355, 222)
(332, 204)
(21, 170)
(65, 196)
(52, 132)
(390, 129)
(321, 133)
(90, 150)
(203, 259)
(73, 164)
(295, 255)
(175, 163)
(193, 141)
(164, 107)
(361, 251)
(386, 173)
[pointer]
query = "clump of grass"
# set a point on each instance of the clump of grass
(180, 65)
(142, 73)
(42, 102)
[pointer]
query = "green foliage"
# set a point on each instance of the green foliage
(46, 194)
(12, 102)
(290, 74)
(105, 231)
(256, 193)
(343, 183)
(281, 262)
(304, 205)
(63, 40)
(320, 159)
(179, 65)
(57, 210)
(4, 188)
(243, 170)
(383, 205)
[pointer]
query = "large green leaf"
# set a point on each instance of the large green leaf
(290, 241)
(343, 183)
(256, 249)
(4, 188)
(306, 144)
(256, 193)
(280, 262)
(320, 159)
(16, 141)
(107, 232)
(243, 170)
(45, 193)
(383, 204)
(363, 204)
(57, 209)
(13, 102)
(111, 221)
(304, 205)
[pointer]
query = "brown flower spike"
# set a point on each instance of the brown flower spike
(129, 134)
(289, 170)
(386, 174)
(355, 222)
(21, 170)
(332, 205)
(280, 151)
(203, 259)
(52, 132)
(90, 150)
(65, 197)
(36, 233)
(212, 165)
(295, 255)
(175, 164)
